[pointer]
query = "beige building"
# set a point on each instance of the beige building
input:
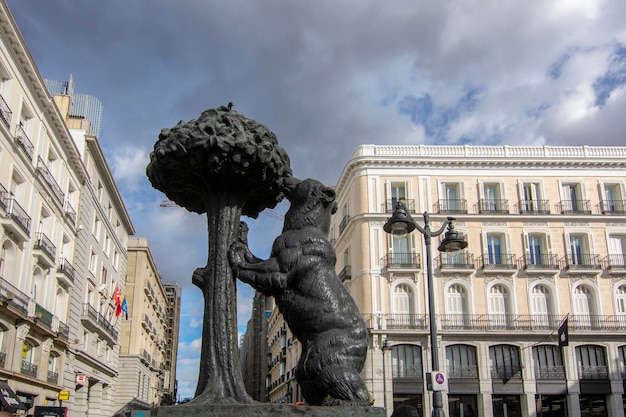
(546, 228)
(147, 337)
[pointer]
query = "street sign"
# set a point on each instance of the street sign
(64, 395)
(436, 381)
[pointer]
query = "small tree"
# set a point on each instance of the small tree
(225, 165)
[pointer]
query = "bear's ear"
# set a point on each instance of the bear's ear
(328, 195)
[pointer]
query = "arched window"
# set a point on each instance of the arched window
(541, 305)
(29, 361)
(456, 299)
(7, 260)
(406, 361)
(591, 361)
(53, 363)
(620, 300)
(403, 299)
(60, 305)
(39, 290)
(548, 362)
(583, 305)
(498, 306)
(505, 362)
(461, 361)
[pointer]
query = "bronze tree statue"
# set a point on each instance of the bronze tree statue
(225, 165)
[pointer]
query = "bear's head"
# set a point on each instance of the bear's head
(312, 204)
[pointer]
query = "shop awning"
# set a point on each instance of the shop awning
(8, 399)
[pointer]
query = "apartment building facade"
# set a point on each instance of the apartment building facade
(41, 174)
(147, 364)
(546, 228)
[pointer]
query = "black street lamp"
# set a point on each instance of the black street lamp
(399, 224)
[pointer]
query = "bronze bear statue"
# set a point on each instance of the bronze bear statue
(300, 275)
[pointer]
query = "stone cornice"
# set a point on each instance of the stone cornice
(488, 157)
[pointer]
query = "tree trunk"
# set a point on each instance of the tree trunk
(219, 379)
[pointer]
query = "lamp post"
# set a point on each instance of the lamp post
(385, 347)
(399, 224)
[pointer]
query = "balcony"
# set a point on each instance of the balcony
(48, 178)
(615, 263)
(13, 297)
(5, 112)
(44, 250)
(533, 207)
(70, 213)
(345, 274)
(401, 261)
(550, 372)
(579, 207)
(390, 205)
(63, 332)
(53, 377)
(455, 262)
(497, 263)
(506, 372)
(463, 372)
(344, 223)
(451, 206)
(612, 207)
(489, 206)
(407, 372)
(499, 322)
(45, 318)
(19, 220)
(145, 357)
(29, 369)
(67, 271)
(95, 321)
(539, 264)
(593, 372)
(405, 321)
(147, 288)
(581, 263)
(23, 142)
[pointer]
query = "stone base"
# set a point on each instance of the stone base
(265, 410)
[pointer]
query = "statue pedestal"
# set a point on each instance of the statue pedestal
(265, 410)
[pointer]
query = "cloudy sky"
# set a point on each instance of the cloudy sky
(326, 76)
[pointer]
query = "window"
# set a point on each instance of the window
(107, 246)
(612, 199)
(531, 199)
(93, 261)
(401, 250)
(496, 249)
(452, 198)
(499, 310)
(591, 361)
(406, 361)
(456, 302)
(491, 200)
(53, 375)
(96, 228)
(541, 305)
(505, 362)
(620, 300)
(579, 250)
(548, 362)
(573, 201)
(403, 299)
(99, 191)
(398, 193)
(622, 361)
(617, 251)
(584, 305)
(461, 361)
(538, 250)
(116, 259)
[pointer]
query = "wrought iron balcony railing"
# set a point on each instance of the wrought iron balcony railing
(455, 260)
(581, 261)
(390, 204)
(70, 213)
(506, 372)
(344, 223)
(614, 262)
(66, 268)
(463, 372)
(406, 321)
(497, 261)
(550, 372)
(401, 260)
(13, 296)
(533, 207)
(539, 262)
(407, 372)
(593, 372)
(100, 322)
(48, 178)
(15, 212)
(5, 112)
(451, 206)
(574, 207)
(29, 369)
(345, 274)
(23, 142)
(53, 377)
(44, 244)
(489, 206)
(614, 207)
